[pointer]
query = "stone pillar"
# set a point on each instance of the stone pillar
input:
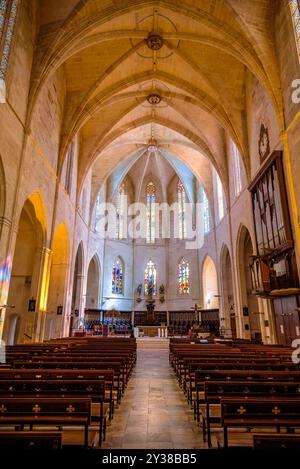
(42, 295)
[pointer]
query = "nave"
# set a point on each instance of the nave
(123, 393)
(149, 168)
(154, 412)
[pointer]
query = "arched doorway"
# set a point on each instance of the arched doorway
(93, 284)
(77, 290)
(249, 301)
(26, 271)
(57, 283)
(228, 325)
(210, 284)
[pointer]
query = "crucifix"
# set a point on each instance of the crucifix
(197, 310)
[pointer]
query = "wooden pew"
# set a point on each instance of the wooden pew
(30, 440)
(266, 412)
(46, 411)
(276, 441)
(92, 389)
(108, 376)
(215, 391)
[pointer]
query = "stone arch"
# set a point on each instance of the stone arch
(249, 301)
(228, 316)
(56, 305)
(27, 268)
(77, 303)
(67, 43)
(209, 279)
(93, 288)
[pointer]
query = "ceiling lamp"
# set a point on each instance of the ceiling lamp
(154, 98)
(154, 41)
(152, 146)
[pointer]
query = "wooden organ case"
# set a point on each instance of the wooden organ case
(273, 269)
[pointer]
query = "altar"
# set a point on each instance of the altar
(152, 331)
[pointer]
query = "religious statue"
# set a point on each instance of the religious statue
(139, 289)
(150, 288)
(162, 293)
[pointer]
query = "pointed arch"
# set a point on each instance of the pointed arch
(58, 281)
(93, 287)
(151, 194)
(27, 264)
(249, 301)
(209, 283)
(77, 303)
(229, 313)
(182, 200)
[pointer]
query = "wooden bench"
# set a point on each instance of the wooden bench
(92, 389)
(201, 377)
(215, 391)
(276, 441)
(111, 388)
(46, 411)
(119, 382)
(259, 412)
(30, 440)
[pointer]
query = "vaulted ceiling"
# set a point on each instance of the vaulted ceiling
(178, 66)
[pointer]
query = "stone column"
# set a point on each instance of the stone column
(42, 295)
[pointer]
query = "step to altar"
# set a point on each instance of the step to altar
(152, 343)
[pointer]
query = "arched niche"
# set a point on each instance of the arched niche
(77, 294)
(93, 284)
(210, 284)
(250, 308)
(26, 268)
(58, 282)
(229, 314)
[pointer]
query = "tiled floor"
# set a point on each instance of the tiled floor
(153, 412)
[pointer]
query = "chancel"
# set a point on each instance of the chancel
(149, 223)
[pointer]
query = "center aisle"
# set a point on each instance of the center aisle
(153, 412)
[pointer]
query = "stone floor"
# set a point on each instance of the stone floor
(153, 412)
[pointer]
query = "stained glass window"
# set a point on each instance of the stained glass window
(8, 14)
(150, 278)
(183, 277)
(150, 198)
(220, 197)
(118, 277)
(295, 11)
(181, 210)
(206, 217)
(120, 212)
(237, 172)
